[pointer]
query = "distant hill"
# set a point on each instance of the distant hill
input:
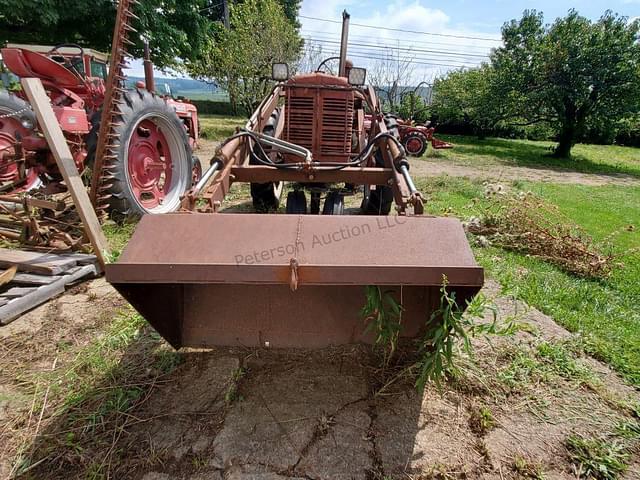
(185, 87)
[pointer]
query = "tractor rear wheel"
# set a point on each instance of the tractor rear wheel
(415, 144)
(16, 118)
(154, 165)
(378, 201)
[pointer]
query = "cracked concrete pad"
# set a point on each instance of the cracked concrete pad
(283, 402)
(186, 407)
(343, 451)
(417, 432)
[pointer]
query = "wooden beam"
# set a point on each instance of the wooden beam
(58, 145)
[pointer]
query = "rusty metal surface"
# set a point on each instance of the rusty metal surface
(206, 315)
(357, 175)
(329, 250)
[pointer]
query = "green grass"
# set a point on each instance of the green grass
(605, 159)
(605, 313)
(219, 127)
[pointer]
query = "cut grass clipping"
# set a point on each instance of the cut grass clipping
(527, 224)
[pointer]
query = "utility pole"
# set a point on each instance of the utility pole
(225, 8)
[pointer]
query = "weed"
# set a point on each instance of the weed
(232, 395)
(596, 458)
(527, 469)
(449, 324)
(481, 420)
(382, 313)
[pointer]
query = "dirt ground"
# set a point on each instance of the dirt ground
(259, 414)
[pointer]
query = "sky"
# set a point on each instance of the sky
(429, 38)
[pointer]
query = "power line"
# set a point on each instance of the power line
(367, 37)
(405, 60)
(417, 50)
(485, 39)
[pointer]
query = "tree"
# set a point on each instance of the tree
(573, 72)
(388, 75)
(239, 59)
(467, 97)
(178, 30)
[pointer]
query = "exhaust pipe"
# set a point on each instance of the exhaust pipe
(343, 43)
(148, 69)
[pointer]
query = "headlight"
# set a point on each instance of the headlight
(27, 123)
(280, 72)
(357, 76)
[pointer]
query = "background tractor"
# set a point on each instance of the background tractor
(156, 136)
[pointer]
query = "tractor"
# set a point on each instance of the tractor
(300, 278)
(155, 162)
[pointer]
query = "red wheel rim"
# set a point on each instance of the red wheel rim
(414, 145)
(9, 171)
(149, 164)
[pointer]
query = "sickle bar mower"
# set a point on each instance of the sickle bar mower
(205, 278)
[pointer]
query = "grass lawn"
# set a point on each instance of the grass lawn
(605, 313)
(218, 127)
(606, 159)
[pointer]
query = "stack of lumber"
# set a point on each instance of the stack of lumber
(28, 279)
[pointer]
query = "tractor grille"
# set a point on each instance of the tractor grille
(321, 120)
(337, 123)
(300, 116)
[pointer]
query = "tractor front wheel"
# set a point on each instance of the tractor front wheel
(415, 144)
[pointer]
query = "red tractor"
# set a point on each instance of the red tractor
(416, 138)
(155, 164)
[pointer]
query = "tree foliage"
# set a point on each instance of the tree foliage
(572, 72)
(576, 75)
(239, 59)
(465, 96)
(178, 30)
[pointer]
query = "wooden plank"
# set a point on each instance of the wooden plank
(18, 306)
(55, 139)
(35, 262)
(81, 258)
(30, 279)
(8, 275)
(18, 292)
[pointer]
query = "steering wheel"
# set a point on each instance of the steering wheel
(324, 64)
(70, 45)
(70, 64)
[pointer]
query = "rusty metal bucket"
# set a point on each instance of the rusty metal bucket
(287, 280)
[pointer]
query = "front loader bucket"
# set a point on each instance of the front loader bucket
(287, 280)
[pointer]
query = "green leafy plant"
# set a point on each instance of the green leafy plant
(597, 458)
(382, 313)
(451, 324)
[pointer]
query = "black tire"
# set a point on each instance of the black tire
(266, 196)
(139, 105)
(10, 105)
(196, 168)
(415, 144)
(333, 204)
(314, 204)
(377, 201)
(296, 202)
